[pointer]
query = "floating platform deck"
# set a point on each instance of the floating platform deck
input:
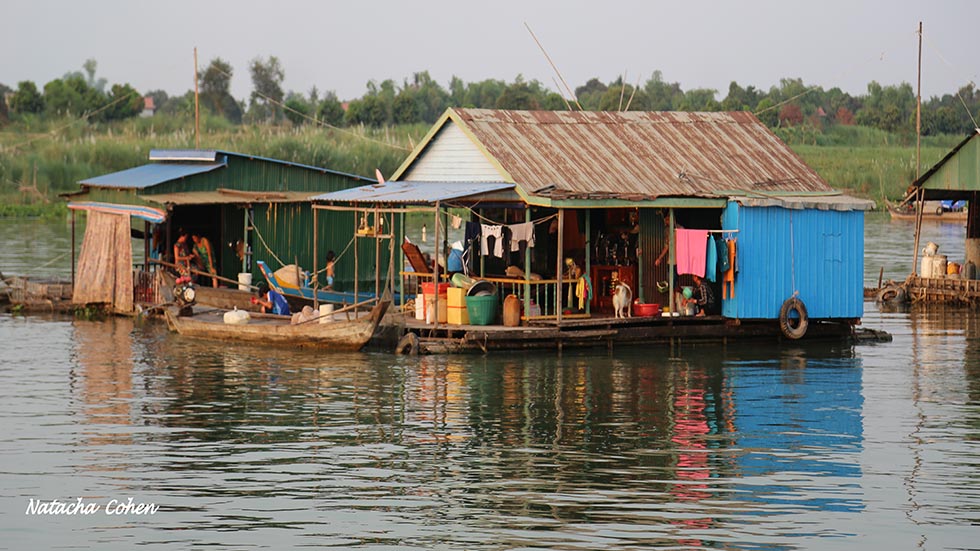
(943, 289)
(414, 335)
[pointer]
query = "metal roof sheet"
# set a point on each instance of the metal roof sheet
(837, 202)
(183, 155)
(149, 214)
(413, 192)
(581, 154)
(145, 176)
(228, 197)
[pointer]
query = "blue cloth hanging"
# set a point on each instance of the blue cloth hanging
(711, 260)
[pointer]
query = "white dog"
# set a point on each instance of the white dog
(623, 301)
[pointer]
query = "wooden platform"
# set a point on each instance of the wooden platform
(949, 290)
(607, 332)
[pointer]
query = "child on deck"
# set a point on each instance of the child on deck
(331, 261)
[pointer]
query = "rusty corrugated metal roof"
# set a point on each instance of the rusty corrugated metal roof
(638, 155)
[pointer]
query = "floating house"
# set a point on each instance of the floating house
(934, 277)
(613, 198)
(249, 208)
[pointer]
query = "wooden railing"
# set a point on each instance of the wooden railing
(542, 292)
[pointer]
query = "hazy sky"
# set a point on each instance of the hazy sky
(340, 46)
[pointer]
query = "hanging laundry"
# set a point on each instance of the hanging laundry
(691, 251)
(521, 232)
(723, 265)
(471, 234)
(583, 291)
(496, 232)
(711, 260)
(728, 281)
(455, 222)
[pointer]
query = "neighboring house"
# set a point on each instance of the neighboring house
(148, 107)
(239, 202)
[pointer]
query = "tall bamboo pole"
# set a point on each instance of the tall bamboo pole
(197, 108)
(921, 193)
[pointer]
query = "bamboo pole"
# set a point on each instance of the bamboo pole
(435, 271)
(561, 244)
(316, 274)
(197, 108)
(195, 271)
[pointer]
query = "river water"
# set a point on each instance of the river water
(240, 447)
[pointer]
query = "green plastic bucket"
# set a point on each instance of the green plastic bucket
(482, 309)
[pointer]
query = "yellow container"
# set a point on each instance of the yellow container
(456, 306)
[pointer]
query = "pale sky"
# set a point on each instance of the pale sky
(340, 46)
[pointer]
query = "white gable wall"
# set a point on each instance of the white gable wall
(452, 157)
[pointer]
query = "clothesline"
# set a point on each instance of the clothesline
(488, 221)
(722, 231)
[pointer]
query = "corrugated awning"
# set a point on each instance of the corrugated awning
(149, 214)
(228, 197)
(145, 176)
(819, 202)
(413, 192)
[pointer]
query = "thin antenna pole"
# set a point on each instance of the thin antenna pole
(622, 91)
(546, 56)
(918, 136)
(918, 108)
(197, 108)
(563, 98)
(633, 93)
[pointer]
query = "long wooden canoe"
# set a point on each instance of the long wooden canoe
(931, 213)
(350, 334)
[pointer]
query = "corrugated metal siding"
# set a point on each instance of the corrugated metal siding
(452, 157)
(819, 253)
(259, 175)
(638, 154)
(961, 173)
(652, 239)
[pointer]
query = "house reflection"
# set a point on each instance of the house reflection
(104, 387)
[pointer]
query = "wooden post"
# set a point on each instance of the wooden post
(671, 260)
(377, 254)
(527, 265)
(435, 272)
(197, 108)
(146, 246)
(560, 260)
(357, 269)
(588, 255)
(316, 276)
(73, 250)
(918, 108)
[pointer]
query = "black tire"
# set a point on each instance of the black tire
(408, 345)
(939, 211)
(793, 328)
(891, 293)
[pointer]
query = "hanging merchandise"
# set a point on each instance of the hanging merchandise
(711, 260)
(728, 280)
(723, 265)
(455, 222)
(691, 251)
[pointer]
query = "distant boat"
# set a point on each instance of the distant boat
(945, 211)
(269, 329)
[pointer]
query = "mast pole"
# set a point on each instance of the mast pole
(921, 193)
(197, 108)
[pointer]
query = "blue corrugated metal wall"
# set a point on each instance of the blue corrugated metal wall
(816, 252)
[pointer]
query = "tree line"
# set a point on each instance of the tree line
(420, 99)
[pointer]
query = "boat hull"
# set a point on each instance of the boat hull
(277, 330)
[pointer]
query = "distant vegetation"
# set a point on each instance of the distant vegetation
(78, 126)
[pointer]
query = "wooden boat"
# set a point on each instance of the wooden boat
(271, 329)
(932, 212)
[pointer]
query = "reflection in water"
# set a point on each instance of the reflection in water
(737, 447)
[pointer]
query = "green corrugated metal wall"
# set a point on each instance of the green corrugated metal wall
(961, 172)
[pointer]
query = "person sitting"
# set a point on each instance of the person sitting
(270, 300)
(703, 296)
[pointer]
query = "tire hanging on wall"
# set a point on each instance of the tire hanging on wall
(793, 328)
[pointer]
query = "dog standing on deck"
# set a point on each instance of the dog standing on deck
(623, 301)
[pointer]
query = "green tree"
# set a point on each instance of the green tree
(123, 102)
(267, 93)
(518, 96)
(590, 94)
(405, 109)
(662, 95)
(699, 99)
(298, 109)
(330, 110)
(216, 90)
(27, 99)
